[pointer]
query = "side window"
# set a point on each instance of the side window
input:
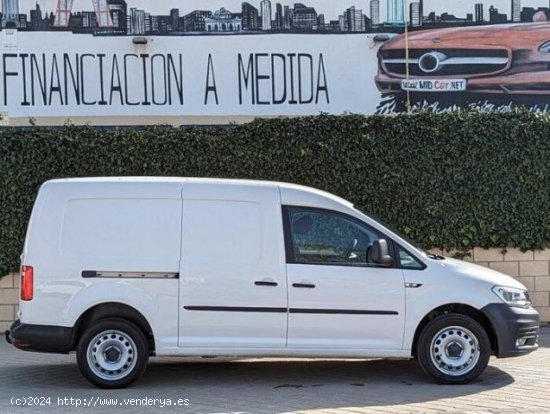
(409, 262)
(322, 237)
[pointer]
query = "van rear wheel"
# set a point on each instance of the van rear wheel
(453, 349)
(112, 353)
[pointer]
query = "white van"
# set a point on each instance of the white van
(121, 269)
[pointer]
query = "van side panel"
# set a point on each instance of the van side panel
(122, 234)
(125, 229)
(233, 276)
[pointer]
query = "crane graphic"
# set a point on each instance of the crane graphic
(64, 8)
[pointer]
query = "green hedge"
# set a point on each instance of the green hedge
(453, 181)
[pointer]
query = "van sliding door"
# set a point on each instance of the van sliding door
(233, 290)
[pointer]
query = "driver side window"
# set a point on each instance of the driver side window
(327, 238)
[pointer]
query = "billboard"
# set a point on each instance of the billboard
(141, 61)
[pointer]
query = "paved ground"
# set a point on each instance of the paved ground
(519, 385)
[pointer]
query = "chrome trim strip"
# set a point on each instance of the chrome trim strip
(455, 61)
(475, 61)
(291, 310)
(396, 61)
(136, 275)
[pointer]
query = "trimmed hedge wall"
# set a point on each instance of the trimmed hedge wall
(453, 181)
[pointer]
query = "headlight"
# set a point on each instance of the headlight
(517, 298)
(545, 47)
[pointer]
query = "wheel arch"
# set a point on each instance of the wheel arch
(114, 310)
(462, 309)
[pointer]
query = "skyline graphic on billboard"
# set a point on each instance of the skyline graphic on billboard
(215, 17)
(229, 58)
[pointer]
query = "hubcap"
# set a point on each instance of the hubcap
(111, 355)
(455, 351)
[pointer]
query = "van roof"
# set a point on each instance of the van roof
(205, 181)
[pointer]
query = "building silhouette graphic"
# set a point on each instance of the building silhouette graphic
(375, 12)
(195, 21)
(265, 7)
(250, 17)
(136, 21)
(396, 12)
(65, 7)
(119, 12)
(353, 21)
(121, 17)
(479, 17)
(279, 17)
(10, 13)
(304, 17)
(223, 21)
(415, 14)
(516, 11)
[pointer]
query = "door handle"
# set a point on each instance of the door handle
(304, 285)
(265, 283)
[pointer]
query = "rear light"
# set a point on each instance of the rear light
(27, 283)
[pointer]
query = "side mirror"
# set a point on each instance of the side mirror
(381, 253)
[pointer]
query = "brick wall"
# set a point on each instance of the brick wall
(9, 298)
(530, 268)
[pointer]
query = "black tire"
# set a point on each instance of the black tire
(102, 343)
(453, 349)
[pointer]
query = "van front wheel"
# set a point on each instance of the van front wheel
(112, 353)
(453, 349)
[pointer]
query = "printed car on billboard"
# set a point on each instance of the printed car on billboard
(502, 59)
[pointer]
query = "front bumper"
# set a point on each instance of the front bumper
(41, 338)
(516, 329)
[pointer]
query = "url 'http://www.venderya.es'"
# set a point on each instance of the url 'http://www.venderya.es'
(98, 402)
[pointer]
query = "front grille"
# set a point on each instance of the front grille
(444, 62)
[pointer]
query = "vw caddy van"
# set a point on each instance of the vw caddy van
(124, 269)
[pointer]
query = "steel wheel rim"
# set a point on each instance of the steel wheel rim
(455, 351)
(112, 355)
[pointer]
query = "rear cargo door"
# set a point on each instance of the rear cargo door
(233, 290)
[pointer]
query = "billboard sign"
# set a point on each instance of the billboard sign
(224, 59)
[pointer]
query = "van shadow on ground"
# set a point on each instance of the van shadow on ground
(251, 387)
(272, 387)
